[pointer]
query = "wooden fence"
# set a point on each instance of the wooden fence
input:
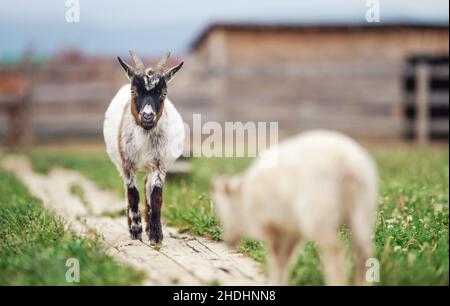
(426, 102)
(61, 101)
(15, 98)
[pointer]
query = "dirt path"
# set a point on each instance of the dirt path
(183, 259)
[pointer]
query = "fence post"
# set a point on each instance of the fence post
(422, 96)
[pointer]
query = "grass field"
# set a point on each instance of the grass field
(34, 245)
(411, 236)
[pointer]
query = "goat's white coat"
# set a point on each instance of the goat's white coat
(320, 180)
(140, 147)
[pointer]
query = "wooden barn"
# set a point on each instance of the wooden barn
(357, 78)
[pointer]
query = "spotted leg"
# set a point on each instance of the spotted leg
(133, 213)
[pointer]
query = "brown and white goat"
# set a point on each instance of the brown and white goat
(315, 182)
(144, 132)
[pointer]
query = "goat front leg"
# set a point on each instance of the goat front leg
(153, 204)
(133, 213)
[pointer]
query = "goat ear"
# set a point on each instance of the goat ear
(169, 74)
(128, 69)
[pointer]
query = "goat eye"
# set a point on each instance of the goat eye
(133, 93)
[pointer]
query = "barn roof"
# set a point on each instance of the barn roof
(260, 27)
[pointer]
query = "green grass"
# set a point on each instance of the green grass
(412, 230)
(411, 237)
(34, 245)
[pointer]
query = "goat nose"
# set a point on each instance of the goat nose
(148, 116)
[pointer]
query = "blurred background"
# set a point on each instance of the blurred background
(302, 63)
(306, 64)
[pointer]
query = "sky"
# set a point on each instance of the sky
(152, 27)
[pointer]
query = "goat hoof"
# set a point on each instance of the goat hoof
(136, 236)
(155, 239)
(156, 245)
(136, 233)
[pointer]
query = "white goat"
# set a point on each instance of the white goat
(319, 180)
(144, 132)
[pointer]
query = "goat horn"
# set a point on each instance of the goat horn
(138, 64)
(161, 66)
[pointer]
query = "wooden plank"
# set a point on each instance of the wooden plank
(441, 71)
(422, 124)
(48, 93)
(436, 126)
(435, 98)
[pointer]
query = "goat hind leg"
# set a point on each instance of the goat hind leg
(282, 248)
(333, 261)
(361, 228)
